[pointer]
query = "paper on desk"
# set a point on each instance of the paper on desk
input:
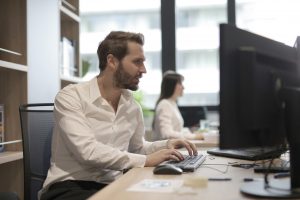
(154, 185)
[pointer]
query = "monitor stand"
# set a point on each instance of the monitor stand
(287, 188)
(277, 189)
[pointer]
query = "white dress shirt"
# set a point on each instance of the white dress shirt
(90, 141)
(169, 122)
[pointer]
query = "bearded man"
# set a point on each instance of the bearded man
(99, 128)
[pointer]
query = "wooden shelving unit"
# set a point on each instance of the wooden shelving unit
(67, 80)
(69, 27)
(9, 156)
(14, 78)
(13, 90)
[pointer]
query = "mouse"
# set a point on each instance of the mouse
(167, 169)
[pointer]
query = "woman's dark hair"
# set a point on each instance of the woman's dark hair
(168, 84)
(116, 43)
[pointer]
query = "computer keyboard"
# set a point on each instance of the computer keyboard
(253, 153)
(190, 163)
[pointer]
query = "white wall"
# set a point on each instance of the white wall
(43, 35)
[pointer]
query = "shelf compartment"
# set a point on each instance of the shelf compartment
(70, 30)
(13, 92)
(13, 35)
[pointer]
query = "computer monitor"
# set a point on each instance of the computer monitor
(192, 115)
(259, 80)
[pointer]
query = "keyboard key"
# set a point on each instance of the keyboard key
(190, 163)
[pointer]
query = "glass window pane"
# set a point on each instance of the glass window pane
(278, 20)
(99, 17)
(197, 43)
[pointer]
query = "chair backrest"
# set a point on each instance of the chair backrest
(37, 122)
(192, 115)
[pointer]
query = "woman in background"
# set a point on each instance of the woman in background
(168, 122)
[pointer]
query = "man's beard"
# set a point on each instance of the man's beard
(122, 79)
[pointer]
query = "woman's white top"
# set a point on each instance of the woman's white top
(168, 122)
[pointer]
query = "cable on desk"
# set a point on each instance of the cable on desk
(244, 165)
(223, 172)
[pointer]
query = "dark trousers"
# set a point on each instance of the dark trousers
(72, 190)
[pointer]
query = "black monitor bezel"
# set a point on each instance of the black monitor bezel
(234, 44)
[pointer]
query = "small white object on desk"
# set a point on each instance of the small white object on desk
(156, 185)
(211, 136)
(196, 181)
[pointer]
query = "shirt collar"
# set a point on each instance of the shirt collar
(95, 92)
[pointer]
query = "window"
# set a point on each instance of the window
(277, 20)
(99, 17)
(197, 43)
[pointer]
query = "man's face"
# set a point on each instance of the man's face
(131, 68)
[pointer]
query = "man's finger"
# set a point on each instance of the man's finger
(191, 148)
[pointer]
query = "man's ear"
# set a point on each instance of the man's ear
(112, 62)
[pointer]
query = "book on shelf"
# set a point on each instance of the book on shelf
(67, 53)
(1, 127)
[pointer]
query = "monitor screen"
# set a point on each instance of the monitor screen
(253, 69)
(259, 102)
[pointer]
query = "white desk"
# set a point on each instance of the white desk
(212, 167)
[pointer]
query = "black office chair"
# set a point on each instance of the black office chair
(37, 123)
(192, 115)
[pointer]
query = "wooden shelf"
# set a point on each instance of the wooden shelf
(13, 90)
(69, 13)
(69, 27)
(14, 66)
(9, 156)
(10, 142)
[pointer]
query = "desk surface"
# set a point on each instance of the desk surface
(213, 167)
(204, 144)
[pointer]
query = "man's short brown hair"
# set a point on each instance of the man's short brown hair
(116, 43)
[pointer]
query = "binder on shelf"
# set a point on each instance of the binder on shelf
(67, 58)
(1, 127)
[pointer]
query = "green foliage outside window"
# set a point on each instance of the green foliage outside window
(139, 97)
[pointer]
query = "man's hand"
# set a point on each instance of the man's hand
(162, 155)
(170, 153)
(180, 143)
